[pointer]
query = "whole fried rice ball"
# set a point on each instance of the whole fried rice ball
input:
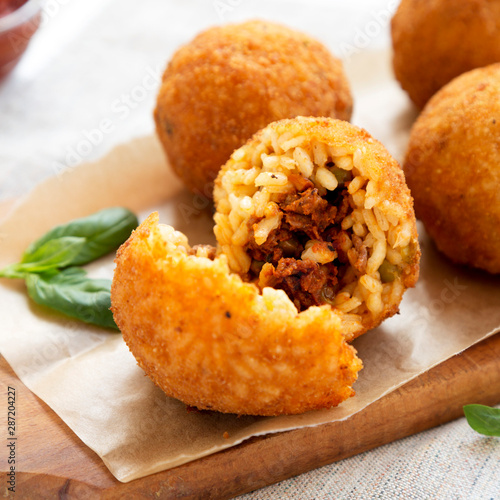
(436, 40)
(316, 244)
(231, 81)
(453, 168)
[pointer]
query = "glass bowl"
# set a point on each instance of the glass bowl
(19, 19)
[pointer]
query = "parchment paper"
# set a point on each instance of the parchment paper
(90, 379)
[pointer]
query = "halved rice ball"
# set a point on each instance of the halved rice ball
(319, 209)
(215, 342)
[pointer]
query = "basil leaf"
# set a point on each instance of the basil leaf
(483, 419)
(69, 276)
(51, 255)
(78, 242)
(103, 231)
(73, 294)
(59, 252)
(12, 271)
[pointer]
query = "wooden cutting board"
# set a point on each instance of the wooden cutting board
(53, 463)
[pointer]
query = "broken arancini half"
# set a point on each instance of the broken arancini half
(215, 342)
(318, 208)
(317, 243)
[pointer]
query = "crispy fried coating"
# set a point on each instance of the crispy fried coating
(211, 340)
(453, 168)
(231, 81)
(436, 40)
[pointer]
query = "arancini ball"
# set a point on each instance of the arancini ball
(452, 167)
(318, 208)
(436, 40)
(233, 80)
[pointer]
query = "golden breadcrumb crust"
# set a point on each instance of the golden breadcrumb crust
(436, 40)
(453, 168)
(231, 81)
(214, 342)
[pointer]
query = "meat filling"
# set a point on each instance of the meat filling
(306, 216)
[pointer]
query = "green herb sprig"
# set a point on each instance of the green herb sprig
(483, 419)
(49, 265)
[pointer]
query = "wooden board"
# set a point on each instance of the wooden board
(53, 463)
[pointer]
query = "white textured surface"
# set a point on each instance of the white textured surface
(447, 463)
(101, 60)
(97, 60)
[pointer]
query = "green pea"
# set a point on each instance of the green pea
(388, 272)
(408, 252)
(341, 174)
